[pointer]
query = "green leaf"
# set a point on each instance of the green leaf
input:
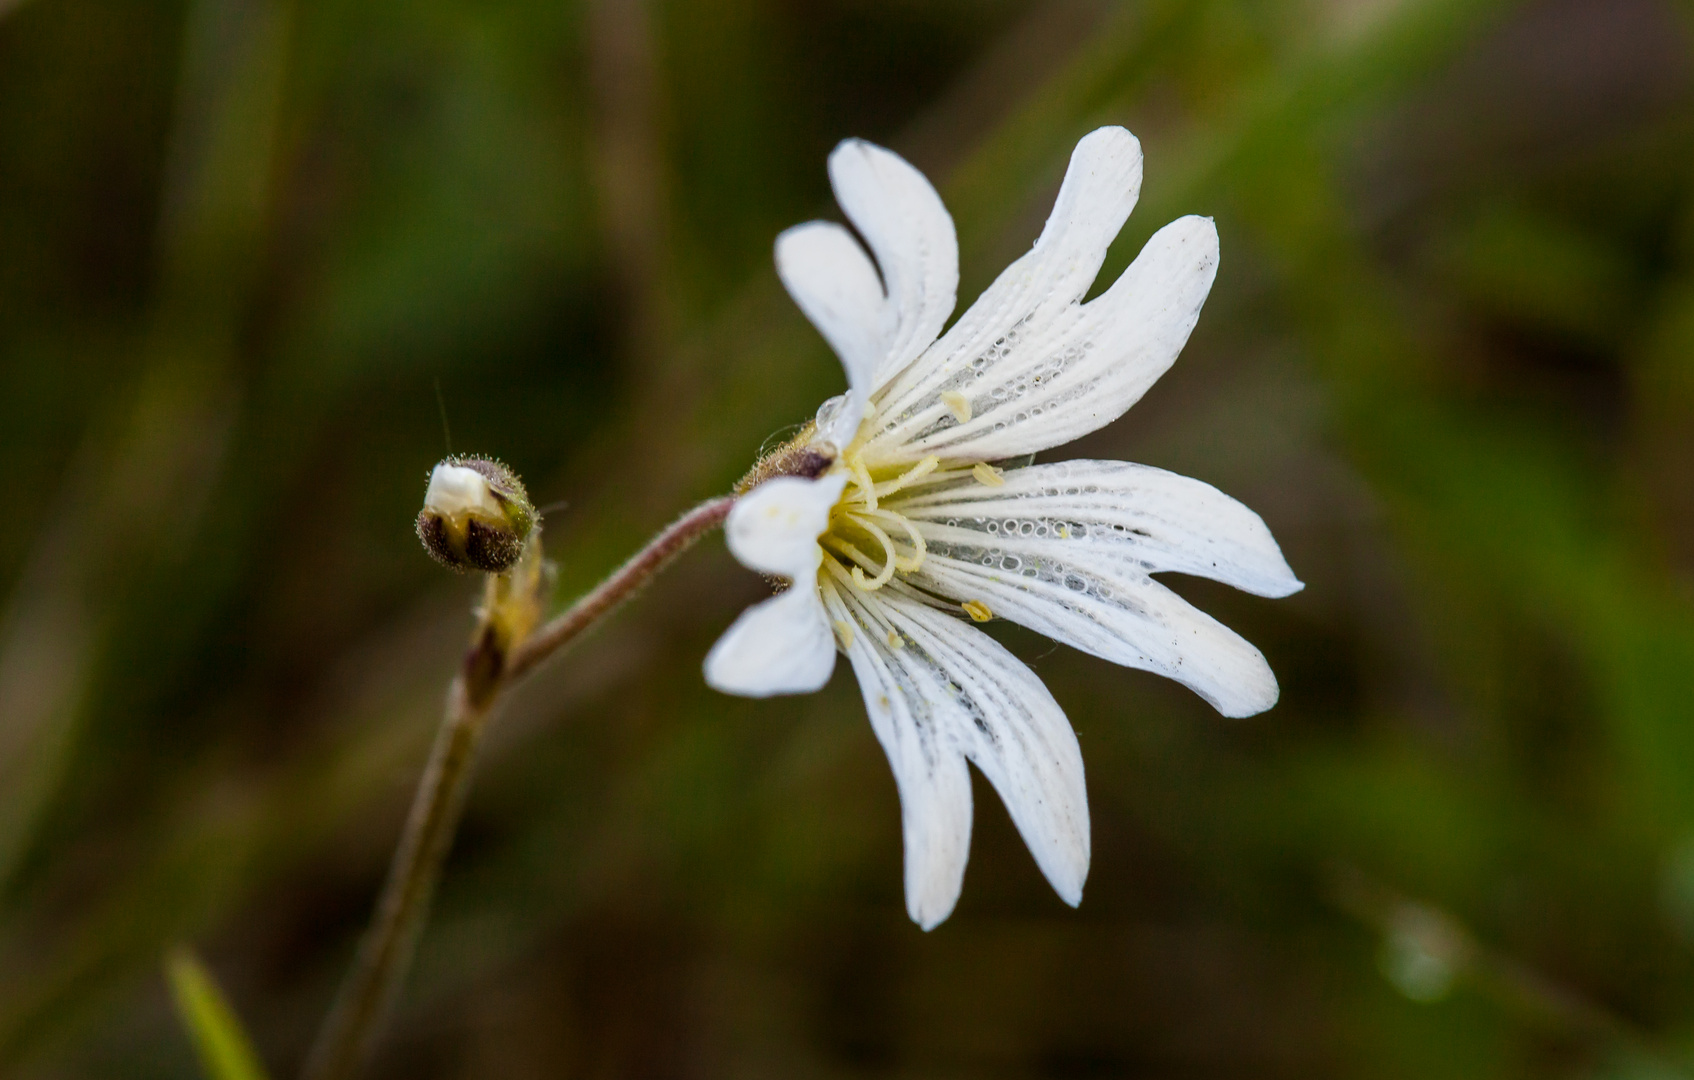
(226, 1053)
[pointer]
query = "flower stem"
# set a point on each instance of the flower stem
(491, 665)
(620, 585)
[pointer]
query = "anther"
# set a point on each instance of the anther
(958, 404)
(977, 610)
(987, 475)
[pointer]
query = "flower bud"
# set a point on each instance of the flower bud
(476, 515)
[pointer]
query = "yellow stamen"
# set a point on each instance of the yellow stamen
(862, 477)
(873, 584)
(895, 641)
(910, 476)
(977, 610)
(845, 630)
(890, 559)
(908, 565)
(861, 509)
(847, 549)
(958, 404)
(987, 475)
(836, 570)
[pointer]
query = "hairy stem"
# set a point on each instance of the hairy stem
(620, 585)
(490, 666)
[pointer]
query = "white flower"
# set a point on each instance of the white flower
(897, 532)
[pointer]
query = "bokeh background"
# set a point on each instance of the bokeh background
(1449, 358)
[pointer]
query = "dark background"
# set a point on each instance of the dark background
(1449, 358)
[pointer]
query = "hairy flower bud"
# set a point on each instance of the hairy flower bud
(476, 515)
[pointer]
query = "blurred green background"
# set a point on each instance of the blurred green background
(1449, 358)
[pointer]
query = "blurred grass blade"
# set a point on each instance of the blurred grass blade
(226, 1053)
(169, 449)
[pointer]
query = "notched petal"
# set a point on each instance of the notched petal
(1097, 603)
(1156, 520)
(1060, 372)
(938, 692)
(897, 211)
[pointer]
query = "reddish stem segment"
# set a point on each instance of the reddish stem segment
(623, 582)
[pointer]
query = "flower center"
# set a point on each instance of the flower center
(861, 524)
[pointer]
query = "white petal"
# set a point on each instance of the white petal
(1095, 600)
(897, 211)
(929, 770)
(1158, 520)
(774, 528)
(1054, 378)
(783, 645)
(946, 692)
(1035, 365)
(455, 489)
(1099, 190)
(832, 279)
